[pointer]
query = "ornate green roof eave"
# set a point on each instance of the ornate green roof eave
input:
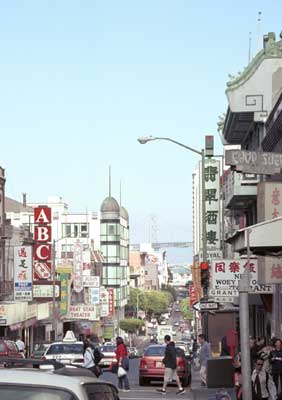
(272, 49)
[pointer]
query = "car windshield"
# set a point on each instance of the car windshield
(155, 351)
(66, 348)
(108, 349)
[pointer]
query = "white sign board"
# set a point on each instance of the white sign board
(23, 273)
(78, 267)
(226, 274)
(45, 291)
(91, 281)
(104, 301)
(82, 311)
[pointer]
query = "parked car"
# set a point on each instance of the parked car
(39, 350)
(151, 366)
(68, 351)
(8, 348)
(109, 353)
(22, 384)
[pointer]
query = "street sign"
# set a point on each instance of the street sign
(205, 306)
(254, 162)
(208, 305)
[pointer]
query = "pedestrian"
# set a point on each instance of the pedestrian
(170, 364)
(91, 358)
(264, 353)
(20, 345)
(263, 387)
(253, 351)
(275, 359)
(205, 354)
(123, 361)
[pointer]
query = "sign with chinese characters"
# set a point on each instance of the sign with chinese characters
(104, 301)
(91, 281)
(23, 273)
(193, 295)
(111, 302)
(78, 267)
(42, 248)
(64, 294)
(212, 217)
(270, 270)
(269, 200)
(254, 162)
(226, 274)
(82, 311)
(43, 290)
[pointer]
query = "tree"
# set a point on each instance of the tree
(185, 309)
(131, 325)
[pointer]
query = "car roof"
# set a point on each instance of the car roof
(40, 378)
(54, 343)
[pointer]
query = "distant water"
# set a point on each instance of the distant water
(179, 256)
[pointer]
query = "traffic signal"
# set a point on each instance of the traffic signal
(204, 274)
(209, 146)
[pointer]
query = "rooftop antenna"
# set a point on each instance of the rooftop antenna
(110, 181)
(250, 46)
(258, 27)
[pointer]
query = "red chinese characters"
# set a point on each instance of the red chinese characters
(275, 200)
(111, 302)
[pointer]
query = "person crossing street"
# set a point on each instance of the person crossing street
(170, 364)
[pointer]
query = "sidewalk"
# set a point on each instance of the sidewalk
(199, 392)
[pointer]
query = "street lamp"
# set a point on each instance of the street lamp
(146, 139)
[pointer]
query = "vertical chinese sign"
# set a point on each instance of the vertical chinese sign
(64, 294)
(111, 302)
(212, 194)
(104, 301)
(23, 273)
(78, 267)
(42, 247)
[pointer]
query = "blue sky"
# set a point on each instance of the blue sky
(82, 80)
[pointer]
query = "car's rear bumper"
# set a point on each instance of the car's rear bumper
(158, 374)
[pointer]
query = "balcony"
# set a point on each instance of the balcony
(240, 190)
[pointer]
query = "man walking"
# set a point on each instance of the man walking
(170, 364)
(205, 353)
(263, 387)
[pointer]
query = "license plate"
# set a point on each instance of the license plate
(107, 362)
(159, 364)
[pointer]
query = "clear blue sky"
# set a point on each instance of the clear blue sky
(81, 80)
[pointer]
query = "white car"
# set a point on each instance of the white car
(109, 353)
(68, 351)
(31, 384)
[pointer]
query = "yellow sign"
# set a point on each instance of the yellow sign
(64, 268)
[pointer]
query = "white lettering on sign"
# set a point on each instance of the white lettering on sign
(42, 217)
(40, 250)
(42, 233)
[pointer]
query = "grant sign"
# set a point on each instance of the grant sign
(226, 274)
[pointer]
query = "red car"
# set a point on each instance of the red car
(152, 368)
(8, 348)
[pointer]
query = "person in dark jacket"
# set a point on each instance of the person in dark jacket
(170, 364)
(275, 359)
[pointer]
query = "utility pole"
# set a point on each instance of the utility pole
(244, 287)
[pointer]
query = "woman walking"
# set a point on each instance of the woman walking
(91, 358)
(123, 361)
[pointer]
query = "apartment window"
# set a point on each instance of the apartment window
(111, 253)
(75, 230)
(109, 232)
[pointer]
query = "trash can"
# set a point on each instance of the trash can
(220, 372)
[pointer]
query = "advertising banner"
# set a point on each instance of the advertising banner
(64, 294)
(225, 276)
(111, 302)
(94, 295)
(78, 267)
(42, 250)
(23, 273)
(43, 290)
(82, 311)
(104, 301)
(91, 281)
